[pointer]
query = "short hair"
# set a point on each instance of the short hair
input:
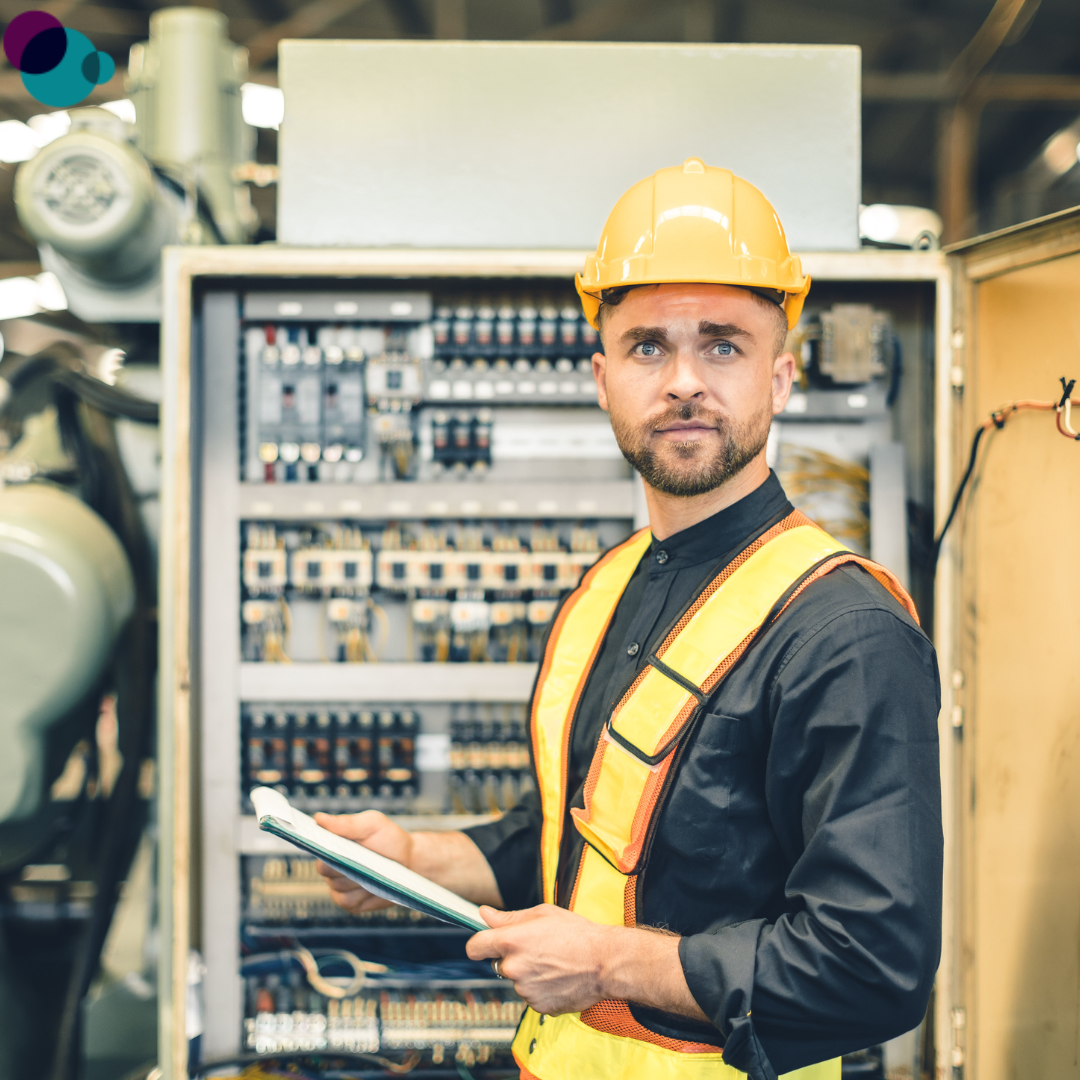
(771, 298)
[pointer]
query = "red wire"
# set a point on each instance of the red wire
(999, 416)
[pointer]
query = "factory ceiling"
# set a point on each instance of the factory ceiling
(960, 96)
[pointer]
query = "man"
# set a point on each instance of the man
(732, 863)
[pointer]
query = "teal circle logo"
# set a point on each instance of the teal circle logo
(59, 67)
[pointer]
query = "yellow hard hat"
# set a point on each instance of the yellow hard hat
(694, 223)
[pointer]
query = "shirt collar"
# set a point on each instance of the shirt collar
(725, 533)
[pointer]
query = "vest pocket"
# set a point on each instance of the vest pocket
(701, 797)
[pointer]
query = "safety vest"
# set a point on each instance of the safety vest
(632, 769)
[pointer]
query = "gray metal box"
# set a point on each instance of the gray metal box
(521, 145)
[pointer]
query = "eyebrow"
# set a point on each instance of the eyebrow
(711, 329)
(645, 333)
(705, 329)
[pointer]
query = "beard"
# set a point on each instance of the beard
(691, 468)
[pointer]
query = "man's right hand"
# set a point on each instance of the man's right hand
(373, 830)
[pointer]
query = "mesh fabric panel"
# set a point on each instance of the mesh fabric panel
(615, 1018)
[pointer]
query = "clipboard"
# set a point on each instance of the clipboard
(377, 873)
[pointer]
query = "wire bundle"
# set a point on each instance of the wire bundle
(833, 493)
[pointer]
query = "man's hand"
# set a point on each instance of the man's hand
(375, 831)
(560, 962)
(450, 859)
(554, 958)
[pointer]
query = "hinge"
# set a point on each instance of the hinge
(959, 1023)
(956, 371)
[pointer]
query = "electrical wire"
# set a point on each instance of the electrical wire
(382, 620)
(996, 420)
(88, 434)
(262, 1067)
(311, 965)
(112, 400)
(202, 205)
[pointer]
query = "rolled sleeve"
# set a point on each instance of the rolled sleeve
(852, 785)
(511, 846)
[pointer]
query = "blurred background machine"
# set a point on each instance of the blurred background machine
(78, 654)
(103, 200)
(79, 478)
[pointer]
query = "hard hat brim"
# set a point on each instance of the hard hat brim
(591, 301)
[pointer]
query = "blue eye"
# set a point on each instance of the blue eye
(649, 349)
(725, 348)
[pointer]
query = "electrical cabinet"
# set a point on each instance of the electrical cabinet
(1012, 693)
(383, 469)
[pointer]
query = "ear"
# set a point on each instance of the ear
(783, 376)
(599, 371)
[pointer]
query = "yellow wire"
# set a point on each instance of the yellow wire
(322, 630)
(384, 628)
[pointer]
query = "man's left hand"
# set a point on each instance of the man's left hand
(554, 958)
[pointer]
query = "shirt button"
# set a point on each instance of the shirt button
(632, 649)
(532, 1046)
(543, 1017)
(661, 557)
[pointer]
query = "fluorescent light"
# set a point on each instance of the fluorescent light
(1060, 153)
(124, 108)
(18, 142)
(50, 126)
(263, 106)
(879, 222)
(911, 226)
(23, 296)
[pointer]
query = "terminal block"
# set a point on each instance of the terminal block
(333, 759)
(469, 1026)
(489, 762)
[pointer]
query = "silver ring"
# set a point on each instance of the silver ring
(495, 968)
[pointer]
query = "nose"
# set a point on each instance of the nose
(684, 378)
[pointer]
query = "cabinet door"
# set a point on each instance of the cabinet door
(1016, 552)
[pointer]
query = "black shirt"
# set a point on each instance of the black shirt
(799, 850)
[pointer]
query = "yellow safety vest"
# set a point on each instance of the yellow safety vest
(630, 771)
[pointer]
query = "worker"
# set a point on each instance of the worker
(732, 863)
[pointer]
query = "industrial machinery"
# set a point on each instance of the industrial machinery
(398, 466)
(64, 579)
(103, 200)
(77, 662)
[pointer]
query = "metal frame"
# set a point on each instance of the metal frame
(974, 262)
(184, 578)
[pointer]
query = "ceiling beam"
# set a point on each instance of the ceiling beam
(90, 20)
(450, 21)
(988, 89)
(980, 50)
(12, 89)
(557, 11)
(598, 23)
(410, 17)
(699, 20)
(307, 21)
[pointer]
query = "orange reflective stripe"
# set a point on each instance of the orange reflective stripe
(627, 774)
(571, 651)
